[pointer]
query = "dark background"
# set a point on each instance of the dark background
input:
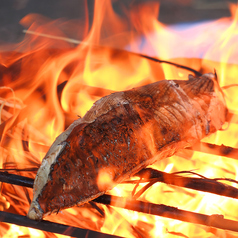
(171, 12)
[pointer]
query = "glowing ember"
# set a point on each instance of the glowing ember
(49, 82)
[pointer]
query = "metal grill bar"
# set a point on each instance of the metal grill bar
(216, 221)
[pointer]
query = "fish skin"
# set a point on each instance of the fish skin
(123, 133)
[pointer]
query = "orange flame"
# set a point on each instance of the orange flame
(105, 178)
(54, 82)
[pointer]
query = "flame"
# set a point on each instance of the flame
(105, 178)
(48, 82)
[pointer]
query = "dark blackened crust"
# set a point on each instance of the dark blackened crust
(137, 127)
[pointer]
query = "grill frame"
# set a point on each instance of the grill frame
(215, 221)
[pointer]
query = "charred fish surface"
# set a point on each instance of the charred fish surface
(123, 133)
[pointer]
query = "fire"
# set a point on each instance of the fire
(48, 82)
(105, 178)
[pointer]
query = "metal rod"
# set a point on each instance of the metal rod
(51, 226)
(16, 179)
(200, 184)
(220, 150)
(216, 221)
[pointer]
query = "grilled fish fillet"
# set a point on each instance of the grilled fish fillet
(123, 133)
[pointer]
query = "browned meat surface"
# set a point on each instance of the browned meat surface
(123, 133)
